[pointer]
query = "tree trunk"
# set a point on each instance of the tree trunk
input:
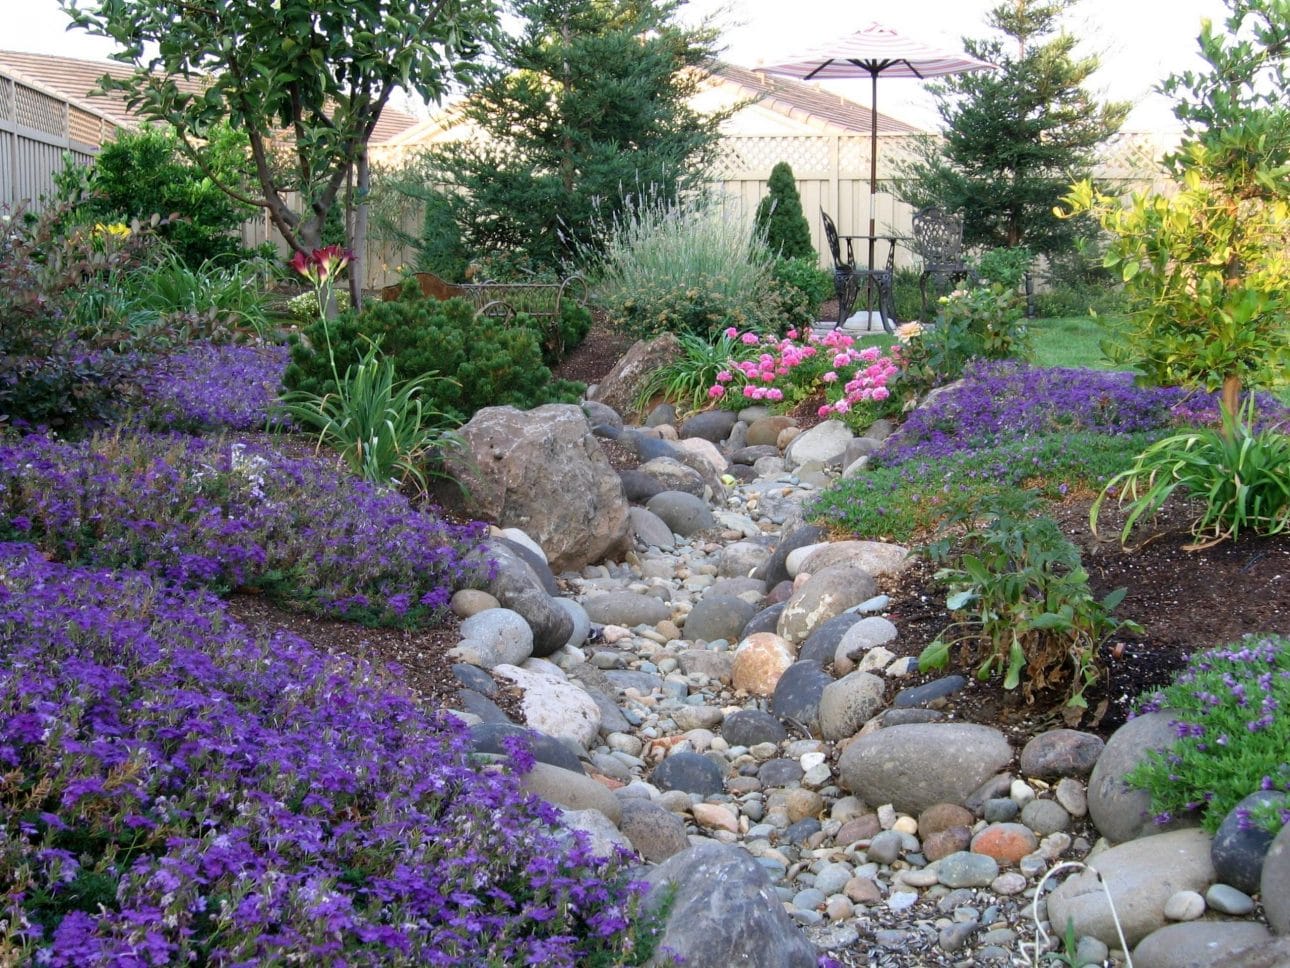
(1230, 402)
(358, 242)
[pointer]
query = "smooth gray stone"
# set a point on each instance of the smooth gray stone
(518, 588)
(612, 719)
(1228, 900)
(1198, 944)
(689, 772)
(626, 609)
(748, 727)
(1238, 853)
(536, 562)
(644, 682)
(802, 831)
(581, 621)
(655, 832)
(639, 487)
(479, 705)
(965, 869)
(1045, 817)
(1119, 811)
(764, 621)
(776, 570)
(1061, 752)
(1274, 885)
(717, 616)
(649, 529)
(753, 453)
(928, 692)
(725, 912)
(780, 773)
(796, 699)
(663, 413)
(473, 677)
(904, 717)
(713, 425)
(1000, 810)
(822, 643)
(648, 447)
(686, 514)
(602, 417)
(487, 738)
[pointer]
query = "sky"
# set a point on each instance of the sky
(1140, 42)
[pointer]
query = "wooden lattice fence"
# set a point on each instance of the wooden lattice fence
(36, 129)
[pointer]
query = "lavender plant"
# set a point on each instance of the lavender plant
(207, 513)
(213, 387)
(1232, 731)
(176, 791)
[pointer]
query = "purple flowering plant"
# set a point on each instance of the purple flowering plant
(1230, 707)
(177, 790)
(208, 386)
(223, 516)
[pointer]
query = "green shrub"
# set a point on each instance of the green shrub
(805, 276)
(1232, 731)
(210, 301)
(142, 173)
(1240, 475)
(1018, 590)
(906, 298)
(692, 267)
(779, 219)
(484, 362)
(440, 249)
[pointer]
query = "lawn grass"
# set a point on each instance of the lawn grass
(1071, 341)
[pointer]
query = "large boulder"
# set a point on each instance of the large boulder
(553, 705)
(1141, 876)
(543, 471)
(620, 388)
(1120, 811)
(913, 767)
(724, 912)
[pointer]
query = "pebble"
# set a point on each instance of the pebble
(902, 900)
(1184, 906)
(1228, 900)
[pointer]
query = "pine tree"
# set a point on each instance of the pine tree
(1016, 138)
(589, 112)
(779, 216)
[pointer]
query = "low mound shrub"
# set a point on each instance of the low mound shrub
(1233, 733)
(483, 362)
(178, 791)
(206, 513)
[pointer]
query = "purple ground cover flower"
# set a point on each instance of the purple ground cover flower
(999, 401)
(178, 791)
(208, 513)
(208, 387)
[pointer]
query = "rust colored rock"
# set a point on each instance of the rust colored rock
(1005, 842)
(861, 828)
(760, 660)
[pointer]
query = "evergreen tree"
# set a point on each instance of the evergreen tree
(779, 216)
(1016, 138)
(589, 112)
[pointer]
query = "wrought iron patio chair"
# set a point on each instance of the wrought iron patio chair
(938, 241)
(848, 277)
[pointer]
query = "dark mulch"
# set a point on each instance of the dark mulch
(1187, 601)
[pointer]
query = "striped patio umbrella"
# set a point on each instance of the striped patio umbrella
(875, 50)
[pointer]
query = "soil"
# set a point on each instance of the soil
(1186, 601)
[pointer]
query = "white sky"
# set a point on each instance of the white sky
(1140, 41)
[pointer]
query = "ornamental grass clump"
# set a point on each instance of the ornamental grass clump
(1229, 709)
(208, 386)
(207, 513)
(178, 791)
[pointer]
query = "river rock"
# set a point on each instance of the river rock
(825, 594)
(848, 703)
(1275, 883)
(725, 912)
(1198, 944)
(1121, 812)
(572, 790)
(690, 772)
(878, 558)
(822, 644)
(915, 766)
(684, 513)
(824, 443)
(650, 530)
(760, 661)
(553, 705)
(717, 616)
(626, 609)
(504, 633)
(1061, 752)
(1141, 875)
(749, 727)
(622, 385)
(655, 832)
(1239, 847)
(796, 700)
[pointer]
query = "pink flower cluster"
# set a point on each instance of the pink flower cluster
(873, 371)
(755, 378)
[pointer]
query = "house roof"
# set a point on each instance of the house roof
(808, 101)
(74, 79)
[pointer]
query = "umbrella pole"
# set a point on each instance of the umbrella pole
(873, 189)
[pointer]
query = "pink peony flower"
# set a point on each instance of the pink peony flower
(731, 332)
(774, 394)
(725, 376)
(716, 392)
(749, 339)
(830, 377)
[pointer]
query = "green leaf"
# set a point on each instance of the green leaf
(934, 656)
(960, 600)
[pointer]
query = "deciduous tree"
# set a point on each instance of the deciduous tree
(306, 80)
